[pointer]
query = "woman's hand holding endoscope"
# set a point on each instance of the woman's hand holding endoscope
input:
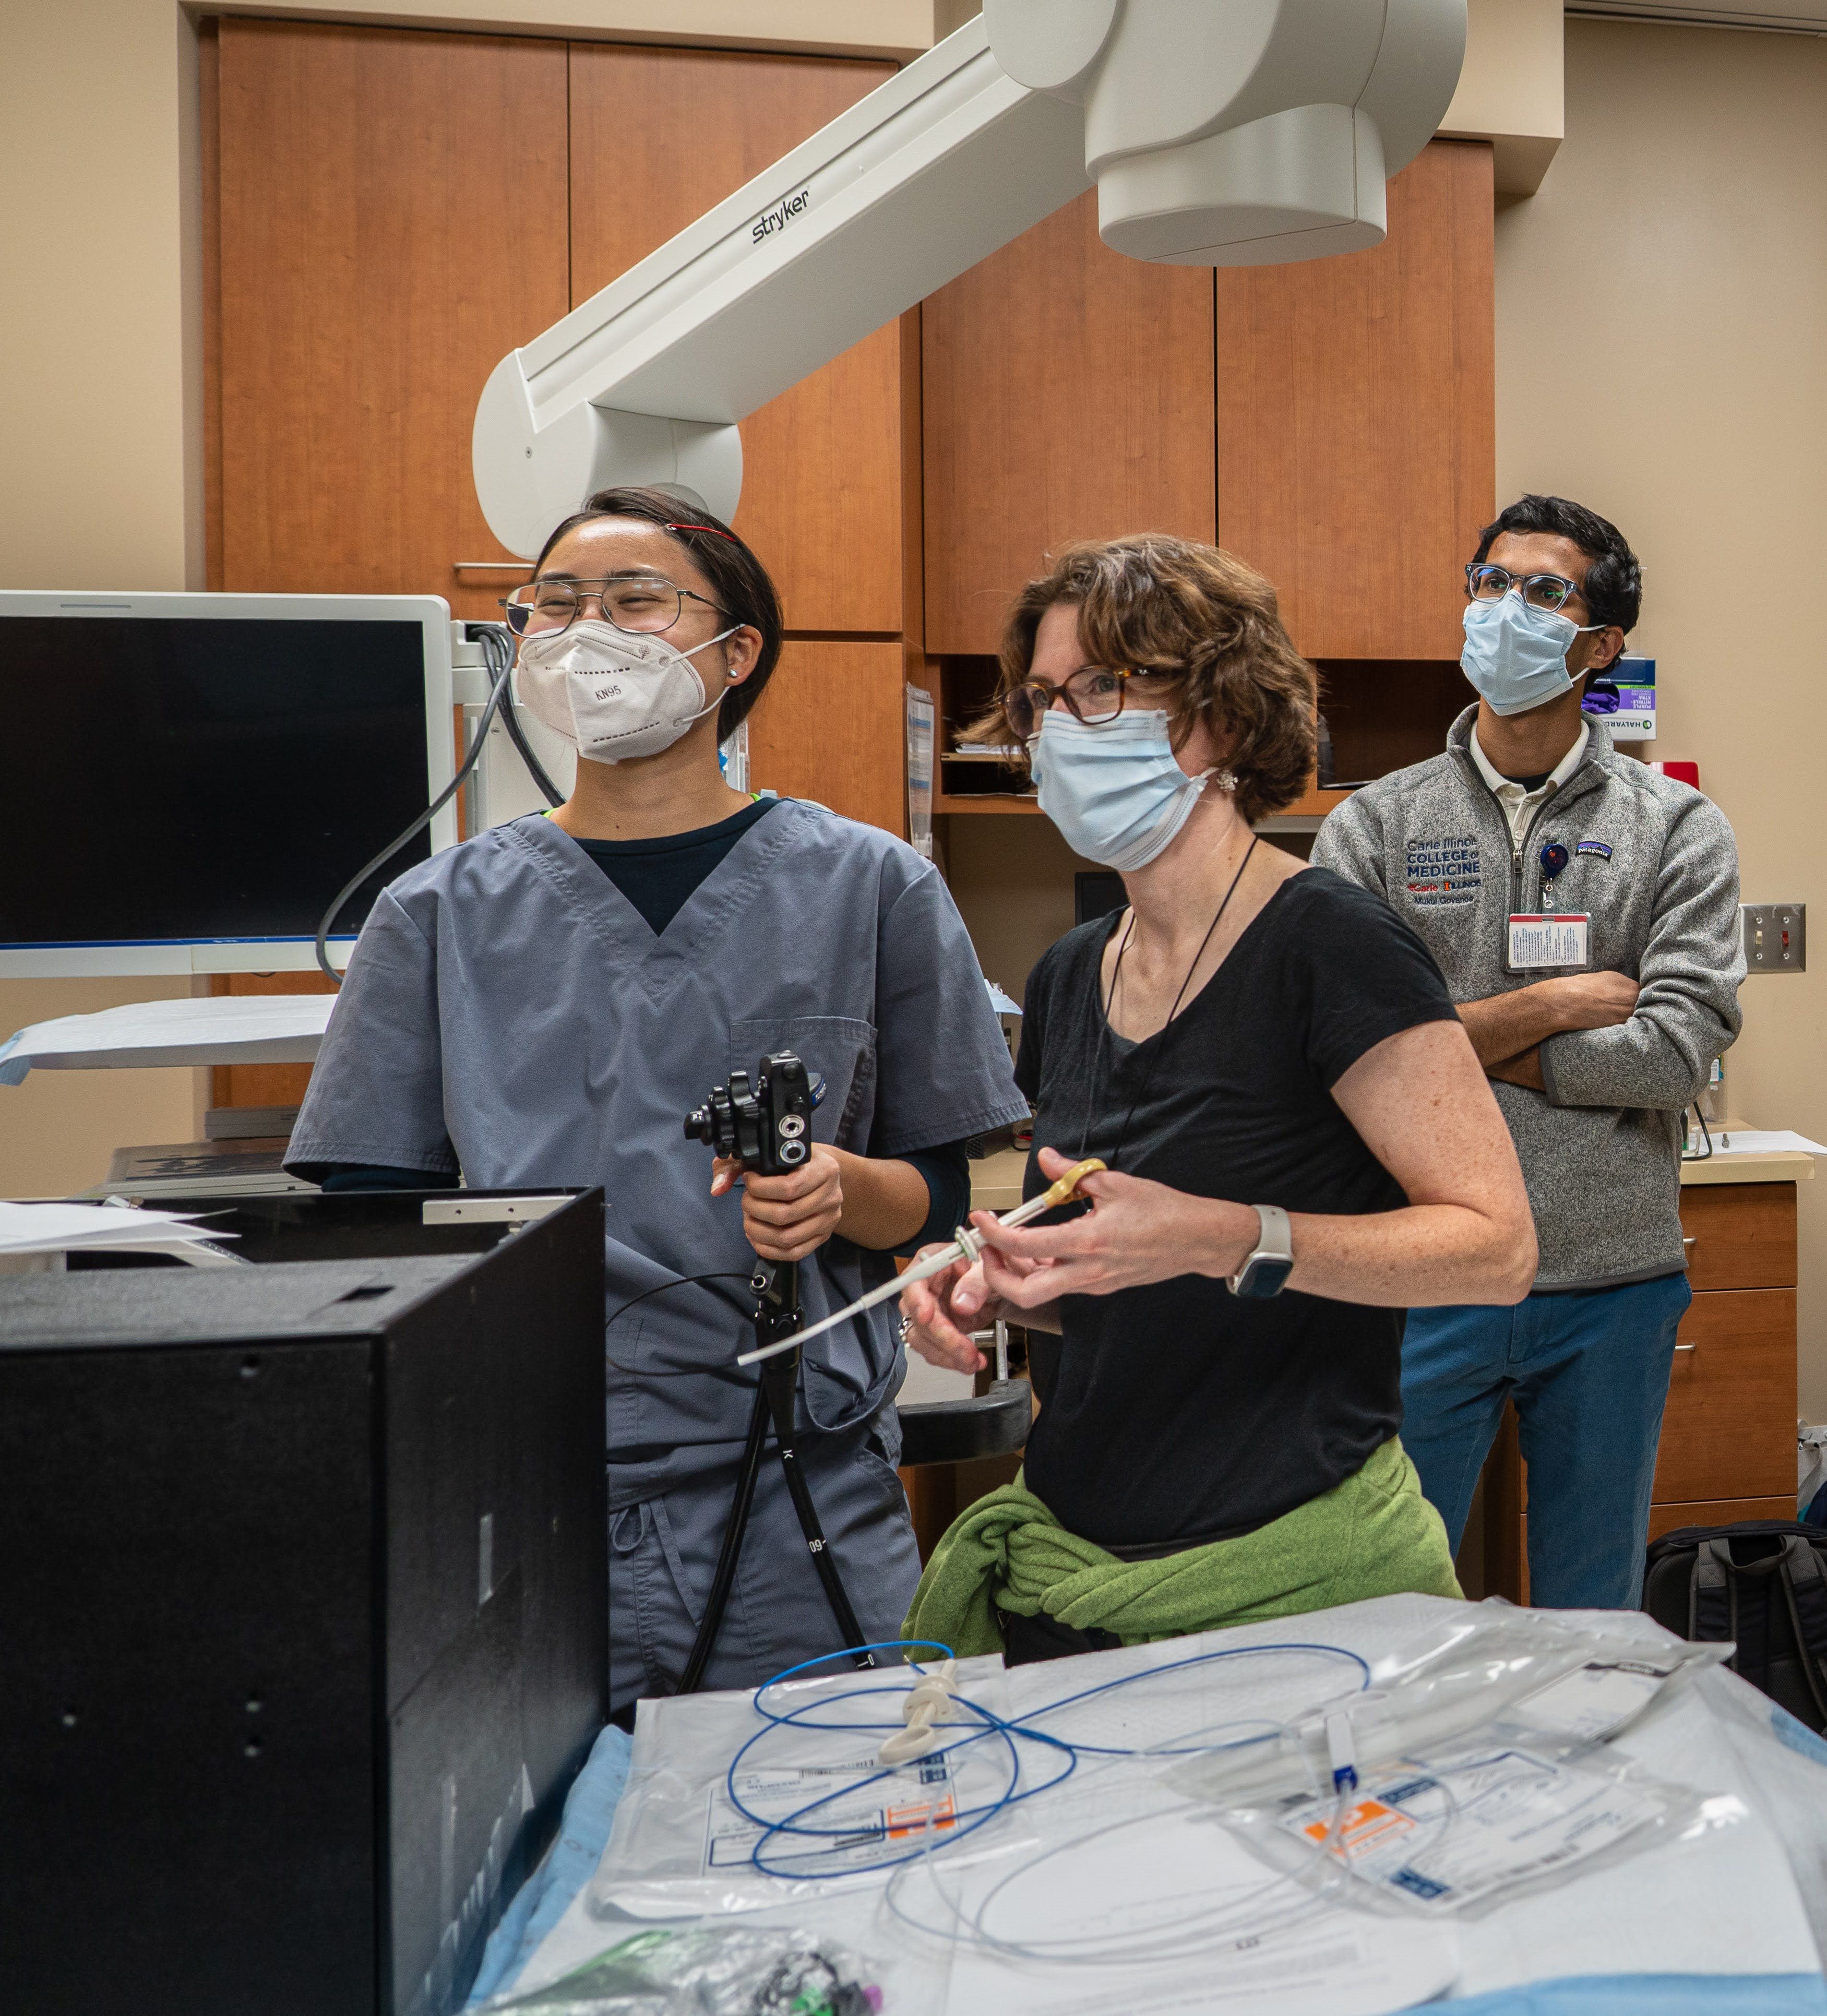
(788, 1217)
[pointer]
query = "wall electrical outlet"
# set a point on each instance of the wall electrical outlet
(1776, 937)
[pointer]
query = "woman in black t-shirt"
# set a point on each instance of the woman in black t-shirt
(1301, 1145)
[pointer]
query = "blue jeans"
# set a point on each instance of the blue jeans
(1589, 1376)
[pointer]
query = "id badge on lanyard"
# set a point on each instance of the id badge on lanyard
(1538, 942)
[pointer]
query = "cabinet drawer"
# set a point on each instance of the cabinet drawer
(1717, 1512)
(1728, 1431)
(1742, 1235)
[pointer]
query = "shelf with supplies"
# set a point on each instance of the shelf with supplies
(1383, 714)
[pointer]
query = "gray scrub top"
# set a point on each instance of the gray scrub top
(509, 1013)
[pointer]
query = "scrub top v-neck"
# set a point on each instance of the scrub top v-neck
(660, 877)
(509, 1012)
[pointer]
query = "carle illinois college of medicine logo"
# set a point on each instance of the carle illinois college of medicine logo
(1443, 872)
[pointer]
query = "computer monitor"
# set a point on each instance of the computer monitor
(188, 780)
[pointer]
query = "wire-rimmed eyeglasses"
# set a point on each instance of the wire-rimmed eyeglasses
(640, 602)
(1487, 583)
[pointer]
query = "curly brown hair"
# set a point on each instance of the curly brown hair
(1152, 603)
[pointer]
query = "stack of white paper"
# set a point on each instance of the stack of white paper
(65, 1228)
(1764, 1141)
(222, 1029)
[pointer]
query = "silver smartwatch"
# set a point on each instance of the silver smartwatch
(1273, 1261)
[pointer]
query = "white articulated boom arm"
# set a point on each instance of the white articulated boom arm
(1218, 132)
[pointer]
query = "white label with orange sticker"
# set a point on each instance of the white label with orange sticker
(834, 1819)
(1441, 1837)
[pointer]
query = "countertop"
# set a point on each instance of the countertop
(1786, 1165)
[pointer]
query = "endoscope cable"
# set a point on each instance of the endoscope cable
(497, 651)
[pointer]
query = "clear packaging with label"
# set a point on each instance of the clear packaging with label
(1475, 1763)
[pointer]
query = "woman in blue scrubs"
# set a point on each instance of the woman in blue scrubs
(543, 1004)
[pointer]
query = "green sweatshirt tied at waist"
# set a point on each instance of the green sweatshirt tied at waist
(1373, 1535)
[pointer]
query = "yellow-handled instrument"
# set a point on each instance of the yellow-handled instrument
(966, 1246)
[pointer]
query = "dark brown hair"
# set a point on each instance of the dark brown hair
(744, 590)
(1152, 603)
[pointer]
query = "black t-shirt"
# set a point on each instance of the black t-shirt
(1179, 1413)
(660, 877)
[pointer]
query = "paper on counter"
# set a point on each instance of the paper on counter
(222, 1029)
(60, 1227)
(1764, 1141)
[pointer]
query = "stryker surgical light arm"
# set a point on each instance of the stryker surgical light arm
(1218, 133)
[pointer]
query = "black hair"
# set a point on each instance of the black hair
(745, 593)
(1614, 580)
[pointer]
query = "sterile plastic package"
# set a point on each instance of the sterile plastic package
(1464, 1831)
(1473, 1766)
(708, 1971)
(1492, 1676)
(684, 1844)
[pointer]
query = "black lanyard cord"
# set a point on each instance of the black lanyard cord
(1106, 1002)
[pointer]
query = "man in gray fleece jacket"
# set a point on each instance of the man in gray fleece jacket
(1584, 911)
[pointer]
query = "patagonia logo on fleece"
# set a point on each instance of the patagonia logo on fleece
(1442, 873)
(1594, 847)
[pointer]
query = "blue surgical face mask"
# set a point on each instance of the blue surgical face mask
(1517, 654)
(1116, 792)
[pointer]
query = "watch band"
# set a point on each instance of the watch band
(1264, 1273)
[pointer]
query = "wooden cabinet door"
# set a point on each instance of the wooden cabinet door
(1357, 419)
(1728, 1430)
(1739, 1235)
(1067, 394)
(658, 137)
(393, 216)
(832, 727)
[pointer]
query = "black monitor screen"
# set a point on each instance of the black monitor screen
(183, 779)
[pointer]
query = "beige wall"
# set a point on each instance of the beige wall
(58, 1129)
(1662, 356)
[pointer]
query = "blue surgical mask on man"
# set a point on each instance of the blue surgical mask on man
(1116, 791)
(1517, 654)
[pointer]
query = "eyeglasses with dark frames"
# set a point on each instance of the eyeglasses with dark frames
(1093, 694)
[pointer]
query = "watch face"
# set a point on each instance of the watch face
(1264, 1277)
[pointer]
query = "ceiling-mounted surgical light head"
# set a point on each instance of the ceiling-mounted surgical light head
(1244, 133)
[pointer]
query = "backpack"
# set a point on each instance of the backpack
(1761, 1584)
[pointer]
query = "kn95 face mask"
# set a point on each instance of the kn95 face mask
(1515, 654)
(1117, 792)
(616, 693)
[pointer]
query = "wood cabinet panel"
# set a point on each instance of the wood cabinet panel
(1742, 1235)
(826, 727)
(393, 219)
(1728, 1430)
(1356, 419)
(262, 1084)
(1067, 394)
(658, 137)
(1717, 1512)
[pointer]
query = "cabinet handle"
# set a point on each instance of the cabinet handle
(1687, 1346)
(1693, 1239)
(491, 566)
